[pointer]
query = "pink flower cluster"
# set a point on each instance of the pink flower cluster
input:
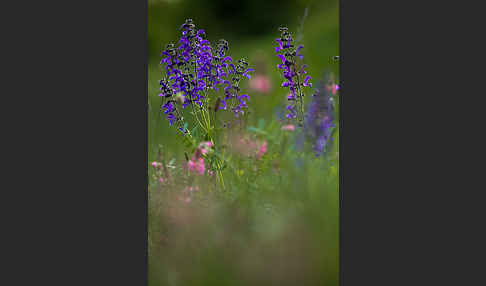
(262, 150)
(334, 89)
(196, 164)
(158, 172)
(289, 127)
(156, 164)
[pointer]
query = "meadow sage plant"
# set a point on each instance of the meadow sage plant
(293, 70)
(318, 120)
(194, 69)
(202, 78)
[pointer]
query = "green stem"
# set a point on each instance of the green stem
(218, 164)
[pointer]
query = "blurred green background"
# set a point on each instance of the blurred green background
(300, 245)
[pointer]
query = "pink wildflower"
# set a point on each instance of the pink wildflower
(156, 164)
(161, 180)
(262, 150)
(260, 83)
(335, 88)
(196, 165)
(289, 127)
(204, 147)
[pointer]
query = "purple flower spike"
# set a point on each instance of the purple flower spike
(293, 71)
(320, 117)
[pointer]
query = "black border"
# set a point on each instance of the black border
(83, 183)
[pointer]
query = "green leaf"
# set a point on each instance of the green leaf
(257, 130)
(188, 142)
(261, 123)
(224, 166)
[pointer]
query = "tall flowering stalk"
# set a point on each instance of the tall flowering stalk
(204, 79)
(193, 69)
(319, 122)
(293, 70)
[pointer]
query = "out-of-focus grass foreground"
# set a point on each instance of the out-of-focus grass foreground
(250, 196)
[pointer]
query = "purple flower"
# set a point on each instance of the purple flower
(245, 73)
(244, 96)
(291, 97)
(302, 69)
(320, 116)
(171, 118)
(292, 113)
(306, 81)
(223, 106)
(280, 47)
(298, 50)
(169, 107)
(233, 70)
